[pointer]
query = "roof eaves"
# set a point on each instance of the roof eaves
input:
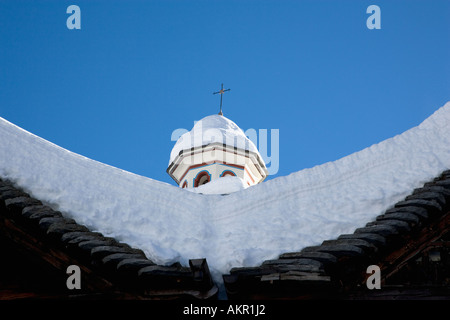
(127, 268)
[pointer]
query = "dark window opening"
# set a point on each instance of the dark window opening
(202, 178)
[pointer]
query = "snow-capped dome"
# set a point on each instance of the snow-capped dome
(215, 148)
(213, 129)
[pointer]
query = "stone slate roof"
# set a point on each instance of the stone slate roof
(329, 269)
(125, 269)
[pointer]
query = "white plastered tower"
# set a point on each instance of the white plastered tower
(215, 147)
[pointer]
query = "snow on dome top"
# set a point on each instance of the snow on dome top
(223, 185)
(213, 129)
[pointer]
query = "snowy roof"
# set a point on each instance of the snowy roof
(238, 230)
(111, 269)
(399, 243)
(213, 129)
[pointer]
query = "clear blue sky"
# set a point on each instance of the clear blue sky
(115, 90)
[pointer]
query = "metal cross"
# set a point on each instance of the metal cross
(221, 92)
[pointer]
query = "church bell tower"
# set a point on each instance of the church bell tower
(215, 148)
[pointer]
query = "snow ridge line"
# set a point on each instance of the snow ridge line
(297, 191)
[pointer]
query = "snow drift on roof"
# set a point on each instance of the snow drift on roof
(222, 185)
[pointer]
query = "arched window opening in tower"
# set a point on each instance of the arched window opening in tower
(202, 178)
